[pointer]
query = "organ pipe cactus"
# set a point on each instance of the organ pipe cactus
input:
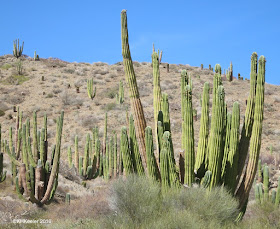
(91, 92)
(138, 113)
(165, 111)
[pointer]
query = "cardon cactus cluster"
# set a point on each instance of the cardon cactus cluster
(35, 177)
(222, 151)
(263, 192)
(17, 51)
(229, 73)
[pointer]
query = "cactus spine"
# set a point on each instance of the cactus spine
(138, 113)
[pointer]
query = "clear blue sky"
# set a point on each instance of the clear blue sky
(188, 32)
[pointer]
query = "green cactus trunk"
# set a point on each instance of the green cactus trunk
(138, 113)
(135, 154)
(200, 161)
(216, 138)
(152, 167)
(232, 165)
(188, 133)
(255, 142)
(126, 156)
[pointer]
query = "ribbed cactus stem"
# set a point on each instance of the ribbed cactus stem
(277, 198)
(2, 174)
(76, 152)
(200, 161)
(69, 152)
(249, 116)
(152, 167)
(174, 180)
(188, 141)
(111, 157)
(165, 111)
(266, 182)
(138, 113)
(216, 138)
(135, 154)
(126, 156)
(164, 170)
(105, 135)
(156, 91)
(184, 83)
(232, 165)
(115, 148)
(35, 140)
(255, 142)
(86, 155)
(91, 92)
(226, 146)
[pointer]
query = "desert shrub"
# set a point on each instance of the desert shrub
(69, 70)
(2, 113)
(15, 80)
(136, 199)
(137, 202)
(109, 106)
(112, 92)
(6, 66)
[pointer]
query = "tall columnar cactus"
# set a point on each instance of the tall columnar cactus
(226, 146)
(266, 182)
(105, 136)
(184, 83)
(135, 154)
(91, 92)
(174, 180)
(188, 141)
(2, 173)
(138, 113)
(200, 161)
(111, 157)
(17, 48)
(164, 170)
(277, 198)
(156, 91)
(77, 156)
(120, 96)
(126, 155)
(115, 155)
(255, 142)
(165, 111)
(152, 167)
(216, 138)
(249, 116)
(232, 162)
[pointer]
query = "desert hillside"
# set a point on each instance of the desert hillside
(50, 85)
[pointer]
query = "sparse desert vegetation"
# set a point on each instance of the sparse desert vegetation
(136, 145)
